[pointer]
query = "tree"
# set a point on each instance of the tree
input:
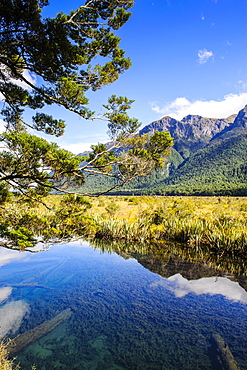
(55, 61)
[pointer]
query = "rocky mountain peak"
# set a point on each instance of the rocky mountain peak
(192, 118)
(193, 132)
(164, 124)
(241, 119)
(231, 118)
(238, 126)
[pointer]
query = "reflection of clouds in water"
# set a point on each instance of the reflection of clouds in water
(211, 285)
(5, 293)
(11, 315)
(8, 255)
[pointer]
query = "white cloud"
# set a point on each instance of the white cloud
(8, 255)
(11, 315)
(211, 285)
(82, 146)
(181, 107)
(5, 293)
(204, 55)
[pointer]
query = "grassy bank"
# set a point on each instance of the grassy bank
(220, 223)
(216, 222)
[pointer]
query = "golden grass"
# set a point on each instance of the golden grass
(131, 207)
(219, 222)
(190, 207)
(5, 363)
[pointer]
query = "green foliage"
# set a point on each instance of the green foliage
(54, 61)
(101, 158)
(33, 164)
(111, 229)
(5, 194)
(59, 50)
(45, 123)
(120, 125)
(138, 185)
(151, 148)
(198, 222)
(217, 169)
(20, 236)
(76, 200)
(23, 226)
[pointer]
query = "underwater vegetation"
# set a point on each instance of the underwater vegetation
(20, 342)
(124, 316)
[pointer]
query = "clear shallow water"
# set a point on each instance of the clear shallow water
(123, 315)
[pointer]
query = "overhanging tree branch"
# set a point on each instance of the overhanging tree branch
(58, 52)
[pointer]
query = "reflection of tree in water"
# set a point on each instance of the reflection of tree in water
(167, 259)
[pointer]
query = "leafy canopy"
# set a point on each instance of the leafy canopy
(55, 61)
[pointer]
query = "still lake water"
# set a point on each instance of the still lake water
(123, 316)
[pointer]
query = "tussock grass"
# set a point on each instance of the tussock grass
(220, 223)
(5, 363)
(216, 222)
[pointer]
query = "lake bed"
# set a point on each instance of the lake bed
(123, 316)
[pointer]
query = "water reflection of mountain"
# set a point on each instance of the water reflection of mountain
(171, 259)
(174, 265)
(189, 270)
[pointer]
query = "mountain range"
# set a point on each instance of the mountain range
(209, 157)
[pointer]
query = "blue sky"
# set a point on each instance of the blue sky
(188, 57)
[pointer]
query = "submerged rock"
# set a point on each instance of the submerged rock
(23, 340)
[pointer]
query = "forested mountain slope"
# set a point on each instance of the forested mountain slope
(219, 168)
(209, 157)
